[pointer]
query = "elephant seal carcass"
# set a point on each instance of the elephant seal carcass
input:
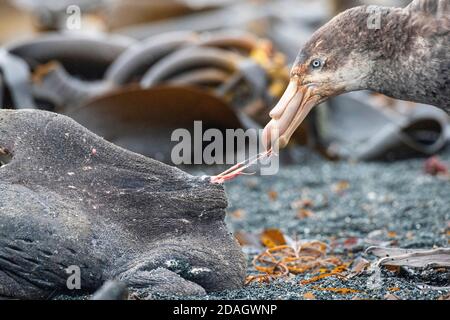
(69, 198)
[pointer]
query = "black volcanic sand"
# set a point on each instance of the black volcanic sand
(392, 203)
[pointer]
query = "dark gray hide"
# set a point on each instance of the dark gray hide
(68, 197)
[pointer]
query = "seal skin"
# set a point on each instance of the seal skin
(68, 197)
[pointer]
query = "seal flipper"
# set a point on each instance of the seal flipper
(146, 283)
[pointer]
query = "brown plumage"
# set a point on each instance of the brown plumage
(401, 52)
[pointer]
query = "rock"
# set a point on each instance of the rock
(414, 258)
(70, 198)
(111, 290)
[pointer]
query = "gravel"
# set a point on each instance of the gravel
(394, 204)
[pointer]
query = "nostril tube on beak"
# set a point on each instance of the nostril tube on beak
(290, 92)
(289, 113)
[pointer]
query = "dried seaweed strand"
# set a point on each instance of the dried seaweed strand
(337, 290)
(282, 260)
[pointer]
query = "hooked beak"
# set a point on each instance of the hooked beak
(293, 107)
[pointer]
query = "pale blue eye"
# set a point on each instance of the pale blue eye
(316, 63)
